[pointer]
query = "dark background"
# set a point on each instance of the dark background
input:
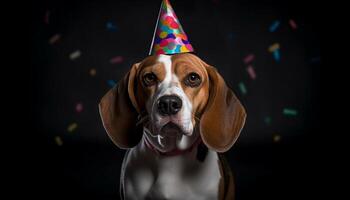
(223, 33)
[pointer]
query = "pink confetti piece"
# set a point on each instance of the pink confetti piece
(293, 24)
(54, 39)
(116, 60)
(79, 107)
(251, 72)
(47, 17)
(249, 58)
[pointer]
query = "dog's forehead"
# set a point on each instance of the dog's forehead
(187, 58)
(173, 61)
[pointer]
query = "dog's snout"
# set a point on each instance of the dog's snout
(169, 105)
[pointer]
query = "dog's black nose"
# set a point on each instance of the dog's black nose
(169, 105)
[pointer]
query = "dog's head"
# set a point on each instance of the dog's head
(174, 98)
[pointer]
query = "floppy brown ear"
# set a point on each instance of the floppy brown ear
(224, 115)
(119, 112)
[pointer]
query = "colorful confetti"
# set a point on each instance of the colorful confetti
(58, 141)
(79, 107)
(274, 26)
(242, 88)
(274, 47)
(251, 72)
(293, 24)
(276, 138)
(111, 26)
(249, 58)
(111, 83)
(76, 54)
(290, 112)
(92, 72)
(116, 60)
(72, 127)
(54, 39)
(276, 55)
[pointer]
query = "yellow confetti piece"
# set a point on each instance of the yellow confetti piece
(72, 127)
(163, 34)
(274, 47)
(58, 141)
(276, 138)
(92, 72)
(183, 49)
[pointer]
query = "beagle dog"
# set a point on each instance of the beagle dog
(175, 115)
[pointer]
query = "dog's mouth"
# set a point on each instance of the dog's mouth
(171, 130)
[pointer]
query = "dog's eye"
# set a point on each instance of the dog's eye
(150, 79)
(193, 80)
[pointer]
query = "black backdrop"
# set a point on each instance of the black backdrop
(271, 159)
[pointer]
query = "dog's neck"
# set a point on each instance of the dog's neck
(174, 152)
(158, 173)
(196, 149)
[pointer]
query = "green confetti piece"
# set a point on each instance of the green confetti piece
(242, 88)
(290, 112)
(74, 55)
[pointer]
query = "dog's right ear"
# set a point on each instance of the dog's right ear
(119, 112)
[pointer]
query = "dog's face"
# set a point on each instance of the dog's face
(174, 89)
(183, 98)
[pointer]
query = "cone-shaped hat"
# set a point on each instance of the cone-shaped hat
(169, 37)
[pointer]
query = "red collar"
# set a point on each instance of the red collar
(174, 152)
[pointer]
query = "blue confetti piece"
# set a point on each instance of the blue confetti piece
(111, 27)
(170, 36)
(274, 26)
(276, 55)
(111, 83)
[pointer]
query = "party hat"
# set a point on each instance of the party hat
(169, 37)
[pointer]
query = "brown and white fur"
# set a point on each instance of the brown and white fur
(173, 146)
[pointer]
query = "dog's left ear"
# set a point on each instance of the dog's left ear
(224, 115)
(119, 112)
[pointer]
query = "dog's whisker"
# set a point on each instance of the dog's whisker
(160, 140)
(150, 133)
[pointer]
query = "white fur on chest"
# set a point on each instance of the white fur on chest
(177, 177)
